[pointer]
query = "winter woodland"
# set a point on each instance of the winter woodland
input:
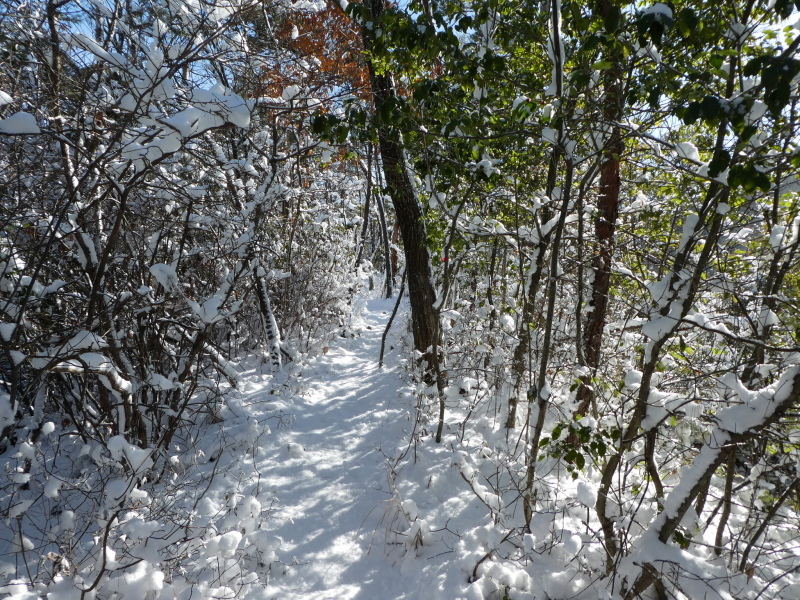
(433, 299)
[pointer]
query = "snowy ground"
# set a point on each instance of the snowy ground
(352, 520)
(327, 468)
(320, 483)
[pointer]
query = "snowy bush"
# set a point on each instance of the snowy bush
(146, 193)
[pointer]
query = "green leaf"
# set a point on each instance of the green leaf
(710, 107)
(747, 132)
(749, 178)
(611, 19)
(422, 92)
(681, 539)
(601, 65)
(321, 124)
(656, 32)
(591, 43)
(754, 66)
(653, 97)
(340, 136)
(692, 113)
(464, 24)
(580, 461)
(784, 8)
(717, 165)
(762, 181)
(688, 19)
(385, 112)
(601, 449)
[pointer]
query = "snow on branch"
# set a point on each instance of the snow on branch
(734, 425)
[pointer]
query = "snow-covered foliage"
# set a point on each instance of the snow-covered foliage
(145, 185)
(192, 199)
(656, 462)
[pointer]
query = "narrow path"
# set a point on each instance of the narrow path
(327, 470)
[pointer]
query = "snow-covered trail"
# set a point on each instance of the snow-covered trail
(327, 470)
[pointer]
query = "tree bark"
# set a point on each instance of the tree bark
(408, 210)
(604, 225)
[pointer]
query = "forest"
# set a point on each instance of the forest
(572, 230)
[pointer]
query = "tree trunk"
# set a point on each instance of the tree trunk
(424, 317)
(270, 324)
(604, 225)
(386, 247)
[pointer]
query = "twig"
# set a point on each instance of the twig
(391, 318)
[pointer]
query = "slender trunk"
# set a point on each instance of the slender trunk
(386, 246)
(541, 386)
(408, 210)
(519, 359)
(604, 224)
(769, 288)
(794, 487)
(726, 501)
(270, 324)
(365, 224)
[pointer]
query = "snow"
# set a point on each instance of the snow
(573, 543)
(86, 340)
(555, 45)
(659, 326)
(687, 150)
(208, 311)
(161, 383)
(777, 236)
(587, 494)
(324, 475)
(689, 225)
(633, 379)
(758, 110)
(166, 276)
(314, 490)
(756, 407)
(550, 135)
(138, 458)
(7, 330)
(507, 323)
(20, 123)
(315, 501)
(290, 92)
(767, 318)
(660, 10)
(51, 487)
